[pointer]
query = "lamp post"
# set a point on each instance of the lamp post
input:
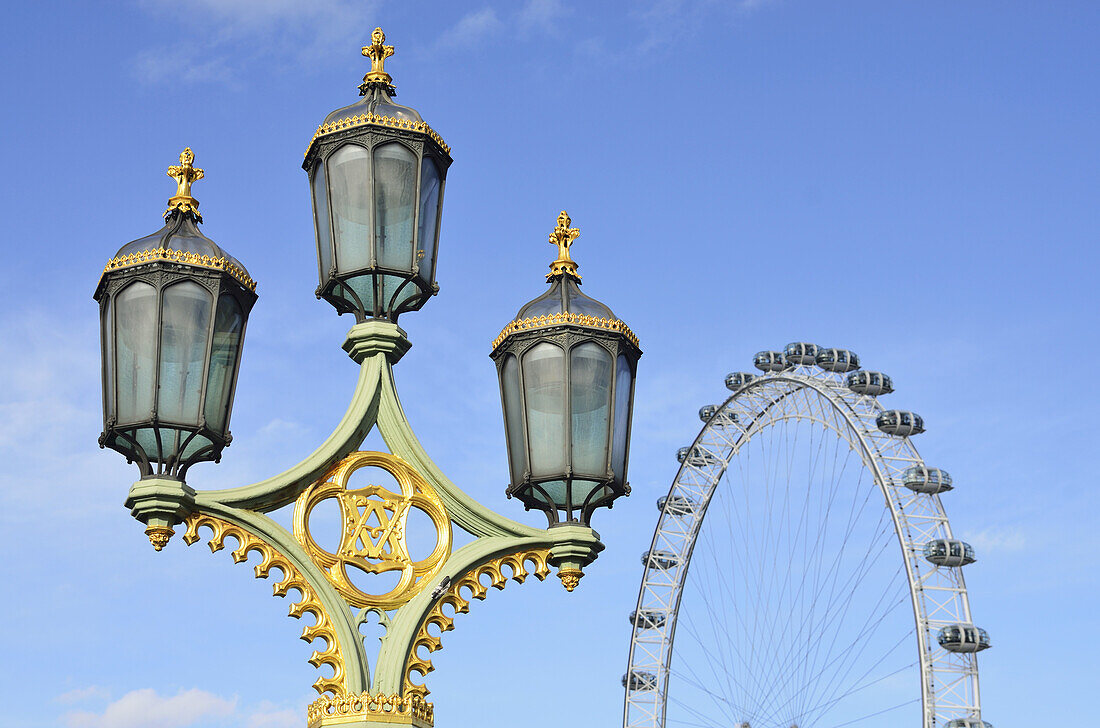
(173, 310)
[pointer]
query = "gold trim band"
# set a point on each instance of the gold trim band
(181, 256)
(411, 710)
(368, 119)
(538, 322)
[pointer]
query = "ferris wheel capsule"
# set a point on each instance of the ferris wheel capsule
(900, 422)
(639, 680)
(660, 559)
(801, 352)
(769, 361)
(736, 380)
(648, 618)
(967, 723)
(837, 360)
(923, 479)
(871, 383)
(677, 505)
(963, 638)
(949, 552)
(695, 456)
(707, 411)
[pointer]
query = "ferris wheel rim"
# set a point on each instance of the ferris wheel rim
(828, 387)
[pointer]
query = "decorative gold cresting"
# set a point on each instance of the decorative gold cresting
(292, 579)
(563, 237)
(354, 709)
(373, 536)
(181, 256)
(377, 53)
(185, 174)
(460, 603)
(557, 319)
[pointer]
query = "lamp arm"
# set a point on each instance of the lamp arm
(255, 532)
(279, 490)
(470, 515)
(457, 583)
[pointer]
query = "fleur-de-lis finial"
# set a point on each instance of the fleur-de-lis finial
(185, 174)
(563, 237)
(377, 52)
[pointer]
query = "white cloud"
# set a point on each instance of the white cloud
(998, 539)
(142, 708)
(226, 34)
(543, 15)
(269, 718)
(79, 695)
(472, 28)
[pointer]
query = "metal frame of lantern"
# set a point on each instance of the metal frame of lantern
(431, 590)
(163, 444)
(389, 279)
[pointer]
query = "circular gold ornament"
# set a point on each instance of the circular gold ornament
(373, 536)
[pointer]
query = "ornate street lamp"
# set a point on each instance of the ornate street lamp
(376, 170)
(566, 366)
(173, 308)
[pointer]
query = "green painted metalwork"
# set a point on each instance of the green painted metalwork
(376, 346)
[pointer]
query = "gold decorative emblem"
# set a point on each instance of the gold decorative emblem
(373, 535)
(377, 53)
(354, 709)
(563, 237)
(185, 175)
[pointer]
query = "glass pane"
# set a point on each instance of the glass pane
(513, 418)
(107, 333)
(429, 217)
(183, 338)
(395, 196)
(349, 188)
(228, 325)
(623, 380)
(544, 394)
(322, 222)
(136, 337)
(590, 384)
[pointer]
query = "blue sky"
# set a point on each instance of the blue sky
(914, 181)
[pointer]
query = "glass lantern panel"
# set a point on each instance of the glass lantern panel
(395, 200)
(544, 395)
(322, 222)
(556, 492)
(590, 388)
(623, 405)
(228, 325)
(184, 334)
(107, 329)
(429, 218)
(513, 418)
(136, 341)
(349, 190)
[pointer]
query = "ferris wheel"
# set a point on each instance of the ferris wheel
(773, 595)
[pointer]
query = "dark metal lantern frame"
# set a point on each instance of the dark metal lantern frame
(530, 489)
(161, 446)
(407, 288)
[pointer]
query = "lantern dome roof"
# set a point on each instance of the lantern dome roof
(377, 106)
(180, 240)
(563, 303)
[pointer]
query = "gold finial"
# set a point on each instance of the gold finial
(159, 536)
(185, 175)
(563, 237)
(570, 578)
(377, 53)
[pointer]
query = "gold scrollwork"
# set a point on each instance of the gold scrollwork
(411, 709)
(455, 599)
(373, 535)
(292, 579)
(579, 319)
(369, 119)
